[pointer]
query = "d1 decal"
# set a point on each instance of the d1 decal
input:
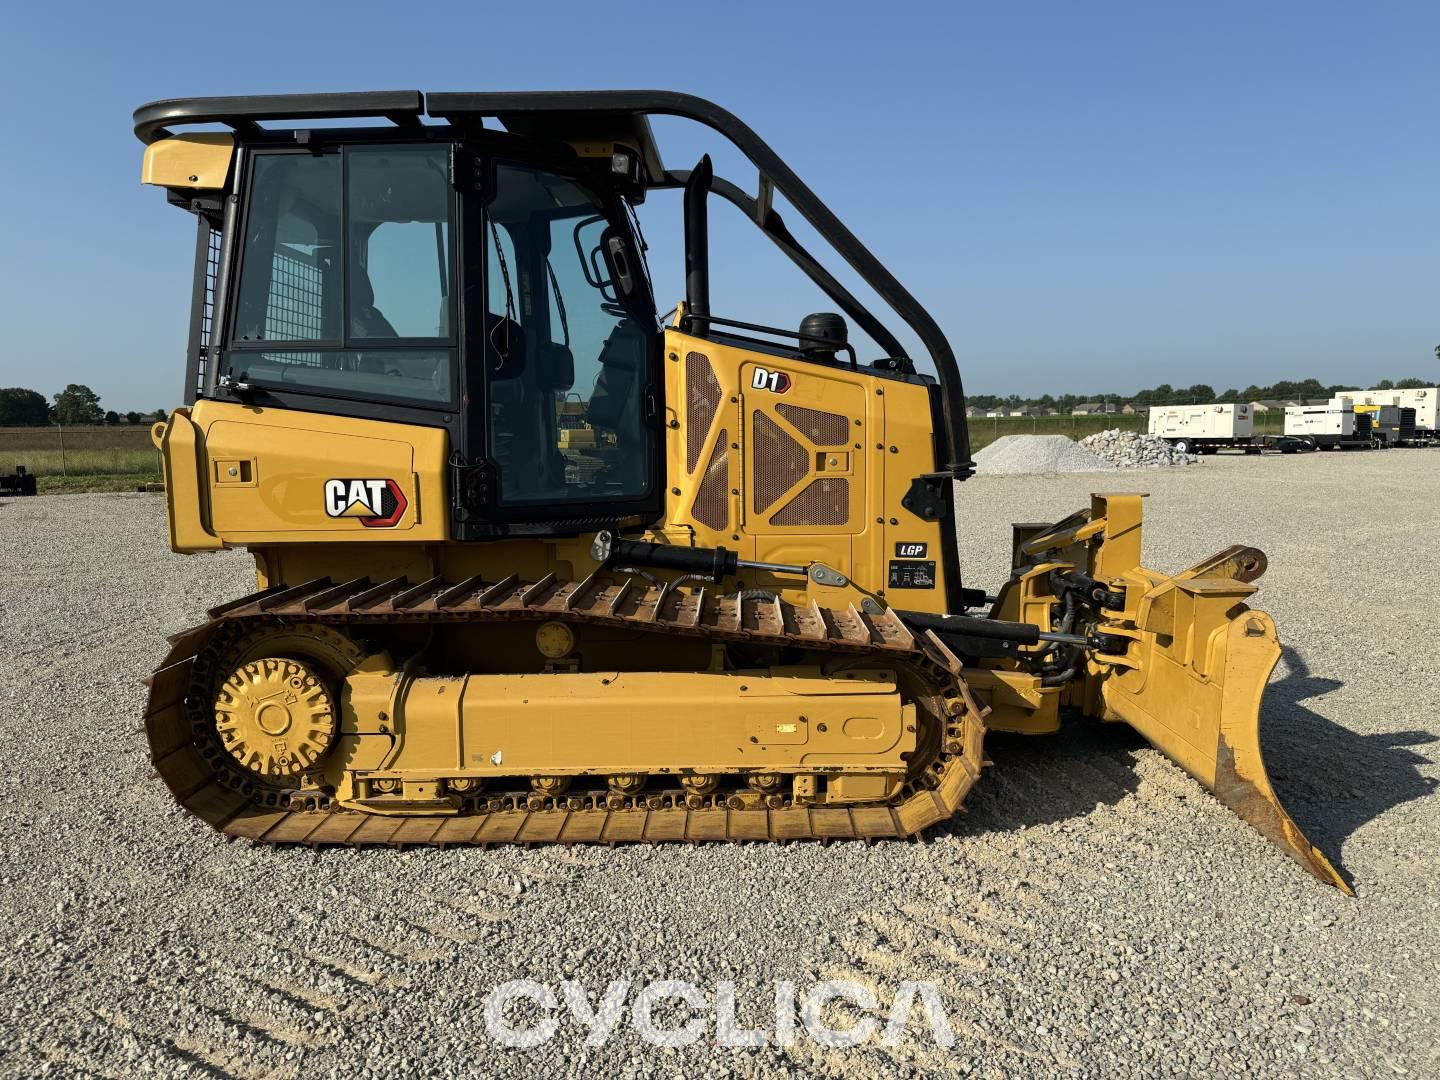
(777, 382)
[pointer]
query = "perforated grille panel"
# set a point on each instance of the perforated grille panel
(702, 398)
(823, 502)
(712, 497)
(822, 428)
(780, 462)
(296, 307)
(205, 345)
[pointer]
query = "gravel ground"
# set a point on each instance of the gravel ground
(1094, 914)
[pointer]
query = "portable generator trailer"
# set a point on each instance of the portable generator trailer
(1204, 429)
(1425, 400)
(534, 564)
(1390, 425)
(1334, 426)
(1208, 429)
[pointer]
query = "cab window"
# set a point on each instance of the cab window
(345, 278)
(569, 361)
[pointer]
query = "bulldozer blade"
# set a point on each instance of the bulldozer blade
(1191, 681)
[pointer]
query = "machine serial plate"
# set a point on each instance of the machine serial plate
(912, 575)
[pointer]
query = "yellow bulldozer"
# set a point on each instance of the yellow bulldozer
(537, 564)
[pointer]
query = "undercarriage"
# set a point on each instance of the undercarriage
(310, 715)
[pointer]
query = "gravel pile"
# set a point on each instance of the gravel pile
(1095, 914)
(1135, 450)
(1014, 455)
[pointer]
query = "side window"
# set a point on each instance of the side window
(290, 283)
(388, 264)
(399, 243)
(567, 411)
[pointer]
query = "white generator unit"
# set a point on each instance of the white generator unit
(1331, 425)
(1372, 397)
(1320, 421)
(1203, 429)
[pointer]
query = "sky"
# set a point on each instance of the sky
(1087, 197)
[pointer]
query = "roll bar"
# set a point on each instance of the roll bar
(404, 108)
(773, 226)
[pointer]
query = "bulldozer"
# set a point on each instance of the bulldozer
(536, 563)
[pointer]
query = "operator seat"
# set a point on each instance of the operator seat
(366, 321)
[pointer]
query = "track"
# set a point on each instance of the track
(178, 719)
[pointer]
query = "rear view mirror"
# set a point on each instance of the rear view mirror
(619, 260)
(557, 366)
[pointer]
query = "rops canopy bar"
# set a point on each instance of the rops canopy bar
(402, 107)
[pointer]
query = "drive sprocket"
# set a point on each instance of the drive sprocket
(275, 716)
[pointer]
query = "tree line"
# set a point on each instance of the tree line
(1200, 393)
(75, 406)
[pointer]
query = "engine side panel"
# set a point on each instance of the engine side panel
(788, 461)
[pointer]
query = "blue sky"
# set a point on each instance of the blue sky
(1086, 196)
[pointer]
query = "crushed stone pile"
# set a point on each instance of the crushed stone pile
(1013, 455)
(1134, 450)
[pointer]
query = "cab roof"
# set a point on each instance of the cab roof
(568, 116)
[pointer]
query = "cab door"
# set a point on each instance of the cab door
(564, 396)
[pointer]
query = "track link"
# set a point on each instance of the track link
(179, 713)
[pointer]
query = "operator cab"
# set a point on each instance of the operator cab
(431, 269)
(485, 283)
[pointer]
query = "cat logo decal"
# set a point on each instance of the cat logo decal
(377, 504)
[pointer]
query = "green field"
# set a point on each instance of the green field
(77, 463)
(92, 459)
(87, 470)
(75, 485)
(124, 437)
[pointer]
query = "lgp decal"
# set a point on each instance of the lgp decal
(378, 504)
(777, 382)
